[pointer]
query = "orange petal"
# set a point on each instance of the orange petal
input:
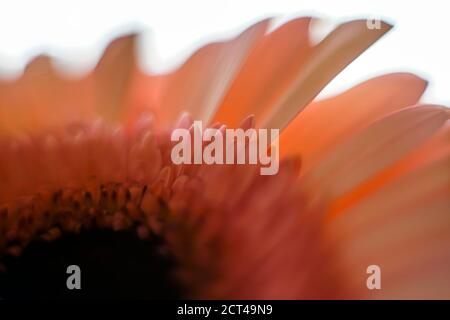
(42, 97)
(113, 77)
(373, 150)
(328, 58)
(332, 120)
(269, 68)
(404, 228)
(435, 148)
(199, 85)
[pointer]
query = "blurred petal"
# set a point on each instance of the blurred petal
(373, 150)
(437, 147)
(199, 85)
(328, 58)
(42, 97)
(113, 77)
(332, 120)
(404, 228)
(270, 67)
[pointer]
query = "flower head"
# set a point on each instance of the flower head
(363, 178)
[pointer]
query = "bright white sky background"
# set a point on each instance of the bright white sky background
(77, 31)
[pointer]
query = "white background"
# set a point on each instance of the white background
(77, 31)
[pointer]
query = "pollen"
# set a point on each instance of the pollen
(45, 216)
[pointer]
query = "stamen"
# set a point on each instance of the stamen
(47, 215)
(115, 238)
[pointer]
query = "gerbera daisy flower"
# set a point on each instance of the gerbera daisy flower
(363, 180)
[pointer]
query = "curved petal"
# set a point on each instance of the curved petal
(113, 77)
(335, 119)
(435, 148)
(270, 67)
(42, 97)
(200, 84)
(373, 150)
(328, 58)
(404, 228)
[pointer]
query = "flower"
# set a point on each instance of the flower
(363, 179)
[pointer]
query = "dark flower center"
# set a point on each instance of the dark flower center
(113, 264)
(111, 232)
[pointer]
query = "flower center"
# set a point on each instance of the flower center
(113, 264)
(110, 232)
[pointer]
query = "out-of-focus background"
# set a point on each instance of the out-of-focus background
(76, 31)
